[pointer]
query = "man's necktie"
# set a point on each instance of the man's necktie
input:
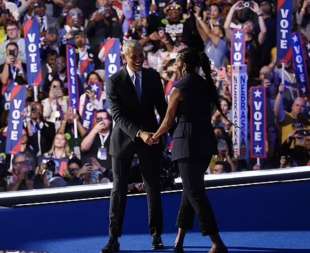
(138, 85)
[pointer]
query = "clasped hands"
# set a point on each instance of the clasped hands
(149, 138)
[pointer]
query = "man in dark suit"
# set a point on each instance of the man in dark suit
(134, 93)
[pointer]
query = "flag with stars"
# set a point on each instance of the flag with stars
(240, 111)
(88, 115)
(299, 64)
(237, 56)
(72, 77)
(284, 30)
(258, 122)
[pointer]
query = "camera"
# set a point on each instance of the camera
(246, 4)
(12, 52)
(50, 166)
(99, 119)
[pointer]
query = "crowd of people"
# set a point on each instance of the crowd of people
(52, 156)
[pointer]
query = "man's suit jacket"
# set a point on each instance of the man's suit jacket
(129, 113)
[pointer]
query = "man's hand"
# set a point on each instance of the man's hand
(237, 6)
(99, 126)
(146, 137)
(10, 60)
(255, 8)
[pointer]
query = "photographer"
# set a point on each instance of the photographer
(92, 172)
(46, 176)
(253, 39)
(98, 102)
(97, 142)
(297, 146)
(12, 31)
(13, 69)
(56, 105)
(214, 38)
(293, 120)
(224, 156)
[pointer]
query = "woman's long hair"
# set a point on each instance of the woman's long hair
(66, 148)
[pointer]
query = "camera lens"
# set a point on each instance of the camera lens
(246, 4)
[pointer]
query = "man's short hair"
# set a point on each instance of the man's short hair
(12, 43)
(11, 23)
(129, 45)
(104, 110)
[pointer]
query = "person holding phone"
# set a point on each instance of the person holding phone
(97, 142)
(13, 69)
(56, 105)
(94, 93)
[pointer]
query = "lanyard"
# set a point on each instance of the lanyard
(103, 139)
(13, 72)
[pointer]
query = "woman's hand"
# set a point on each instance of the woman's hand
(237, 6)
(255, 8)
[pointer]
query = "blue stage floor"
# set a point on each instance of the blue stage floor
(237, 242)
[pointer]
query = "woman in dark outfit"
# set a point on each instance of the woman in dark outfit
(194, 143)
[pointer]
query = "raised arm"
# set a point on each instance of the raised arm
(261, 22)
(278, 105)
(301, 14)
(205, 31)
(229, 17)
(88, 141)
